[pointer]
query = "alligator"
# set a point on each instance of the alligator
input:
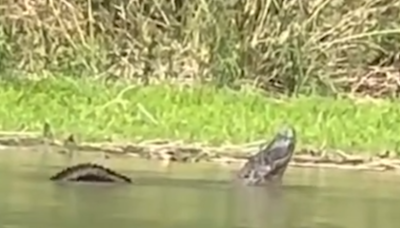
(271, 161)
(268, 164)
(90, 172)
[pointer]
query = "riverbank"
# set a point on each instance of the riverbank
(95, 111)
(168, 152)
(332, 132)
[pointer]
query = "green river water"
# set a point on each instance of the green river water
(191, 196)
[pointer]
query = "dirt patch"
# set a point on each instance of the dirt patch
(177, 151)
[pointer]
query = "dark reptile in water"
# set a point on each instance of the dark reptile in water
(268, 164)
(89, 172)
(271, 162)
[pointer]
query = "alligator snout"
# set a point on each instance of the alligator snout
(270, 163)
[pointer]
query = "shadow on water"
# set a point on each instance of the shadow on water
(193, 195)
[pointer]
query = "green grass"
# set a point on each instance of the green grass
(93, 110)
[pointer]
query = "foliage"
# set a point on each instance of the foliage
(323, 46)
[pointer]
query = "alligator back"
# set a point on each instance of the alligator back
(89, 172)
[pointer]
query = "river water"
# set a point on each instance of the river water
(191, 195)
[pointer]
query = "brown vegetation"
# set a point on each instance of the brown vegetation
(322, 46)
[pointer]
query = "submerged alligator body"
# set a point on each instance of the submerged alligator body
(268, 164)
(89, 172)
(271, 162)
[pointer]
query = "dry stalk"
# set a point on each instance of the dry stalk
(279, 46)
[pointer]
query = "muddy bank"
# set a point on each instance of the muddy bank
(177, 151)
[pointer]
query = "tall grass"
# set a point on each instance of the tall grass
(291, 46)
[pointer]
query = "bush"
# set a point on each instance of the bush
(325, 47)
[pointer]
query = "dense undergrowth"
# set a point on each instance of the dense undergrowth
(293, 47)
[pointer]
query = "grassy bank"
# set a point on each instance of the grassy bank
(94, 110)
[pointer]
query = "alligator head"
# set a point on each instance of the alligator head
(271, 162)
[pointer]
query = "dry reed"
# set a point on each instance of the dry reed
(325, 47)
